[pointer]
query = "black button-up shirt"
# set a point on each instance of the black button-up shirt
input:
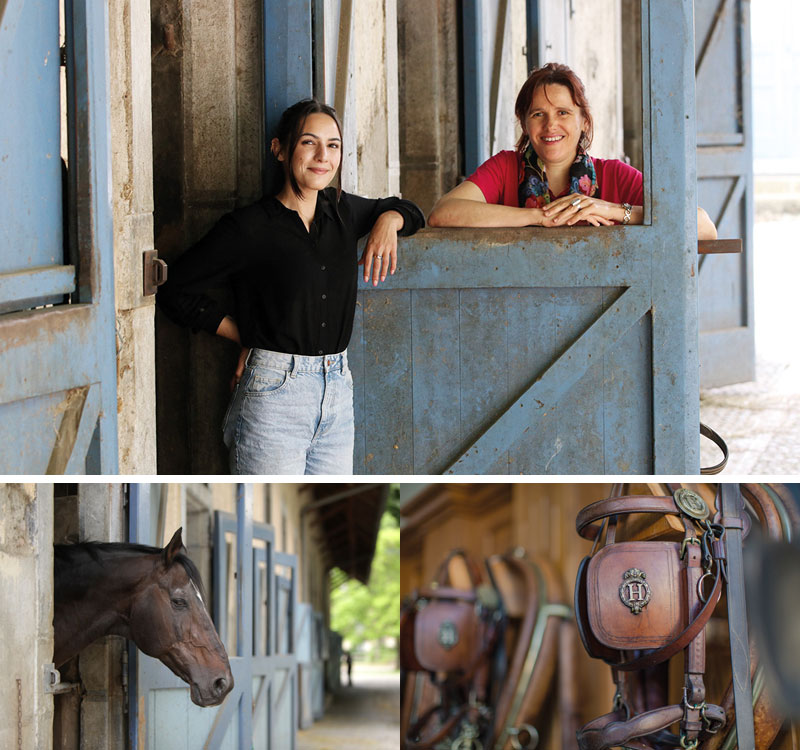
(294, 289)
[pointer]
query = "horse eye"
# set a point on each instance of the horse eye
(179, 602)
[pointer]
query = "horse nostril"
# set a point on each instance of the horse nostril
(220, 685)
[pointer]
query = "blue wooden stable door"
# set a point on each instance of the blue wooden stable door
(57, 345)
(254, 606)
(725, 188)
(546, 351)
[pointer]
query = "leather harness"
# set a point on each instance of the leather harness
(639, 603)
(486, 700)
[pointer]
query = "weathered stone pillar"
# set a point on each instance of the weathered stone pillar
(132, 207)
(101, 517)
(374, 64)
(26, 614)
(595, 53)
(631, 22)
(428, 99)
(208, 155)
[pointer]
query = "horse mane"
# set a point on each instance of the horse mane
(103, 552)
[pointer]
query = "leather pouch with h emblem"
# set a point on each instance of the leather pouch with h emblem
(448, 632)
(634, 597)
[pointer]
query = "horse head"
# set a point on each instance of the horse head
(169, 621)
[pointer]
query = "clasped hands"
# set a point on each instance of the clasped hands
(576, 208)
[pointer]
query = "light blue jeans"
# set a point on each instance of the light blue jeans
(291, 414)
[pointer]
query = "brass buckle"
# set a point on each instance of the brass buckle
(688, 540)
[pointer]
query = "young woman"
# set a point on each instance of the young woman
(550, 180)
(292, 263)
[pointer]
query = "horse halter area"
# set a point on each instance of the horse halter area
(647, 649)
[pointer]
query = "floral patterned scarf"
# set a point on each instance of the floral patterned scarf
(533, 189)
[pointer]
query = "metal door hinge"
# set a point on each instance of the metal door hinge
(154, 272)
(125, 679)
(52, 681)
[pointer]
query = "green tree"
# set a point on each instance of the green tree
(372, 613)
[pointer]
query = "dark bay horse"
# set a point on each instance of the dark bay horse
(150, 595)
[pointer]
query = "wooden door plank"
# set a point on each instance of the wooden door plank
(483, 350)
(627, 399)
(543, 394)
(437, 378)
(531, 349)
(387, 381)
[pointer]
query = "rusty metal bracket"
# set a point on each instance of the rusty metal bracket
(154, 271)
(52, 681)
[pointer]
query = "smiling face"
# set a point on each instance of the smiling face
(317, 154)
(554, 124)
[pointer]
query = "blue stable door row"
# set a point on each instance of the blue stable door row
(254, 611)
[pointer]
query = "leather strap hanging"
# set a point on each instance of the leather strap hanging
(717, 439)
(732, 508)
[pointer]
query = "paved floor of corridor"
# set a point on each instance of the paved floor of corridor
(366, 715)
(760, 420)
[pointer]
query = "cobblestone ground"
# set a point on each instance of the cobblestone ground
(761, 420)
(366, 715)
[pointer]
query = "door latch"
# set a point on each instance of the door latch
(52, 681)
(154, 270)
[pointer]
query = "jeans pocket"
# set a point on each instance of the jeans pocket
(266, 381)
(229, 421)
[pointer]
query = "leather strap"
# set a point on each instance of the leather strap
(445, 592)
(533, 663)
(473, 571)
(612, 729)
(418, 742)
(715, 438)
(732, 507)
(612, 506)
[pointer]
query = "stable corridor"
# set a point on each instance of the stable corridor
(760, 420)
(366, 715)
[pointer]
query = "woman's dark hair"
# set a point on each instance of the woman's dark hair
(288, 132)
(544, 76)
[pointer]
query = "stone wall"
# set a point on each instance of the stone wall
(208, 146)
(26, 614)
(132, 210)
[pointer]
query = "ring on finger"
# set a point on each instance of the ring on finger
(379, 257)
(576, 203)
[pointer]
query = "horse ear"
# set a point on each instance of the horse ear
(174, 547)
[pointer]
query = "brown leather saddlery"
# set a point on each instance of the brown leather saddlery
(451, 633)
(488, 700)
(532, 664)
(638, 603)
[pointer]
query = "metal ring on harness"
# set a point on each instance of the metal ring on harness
(533, 737)
(700, 592)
